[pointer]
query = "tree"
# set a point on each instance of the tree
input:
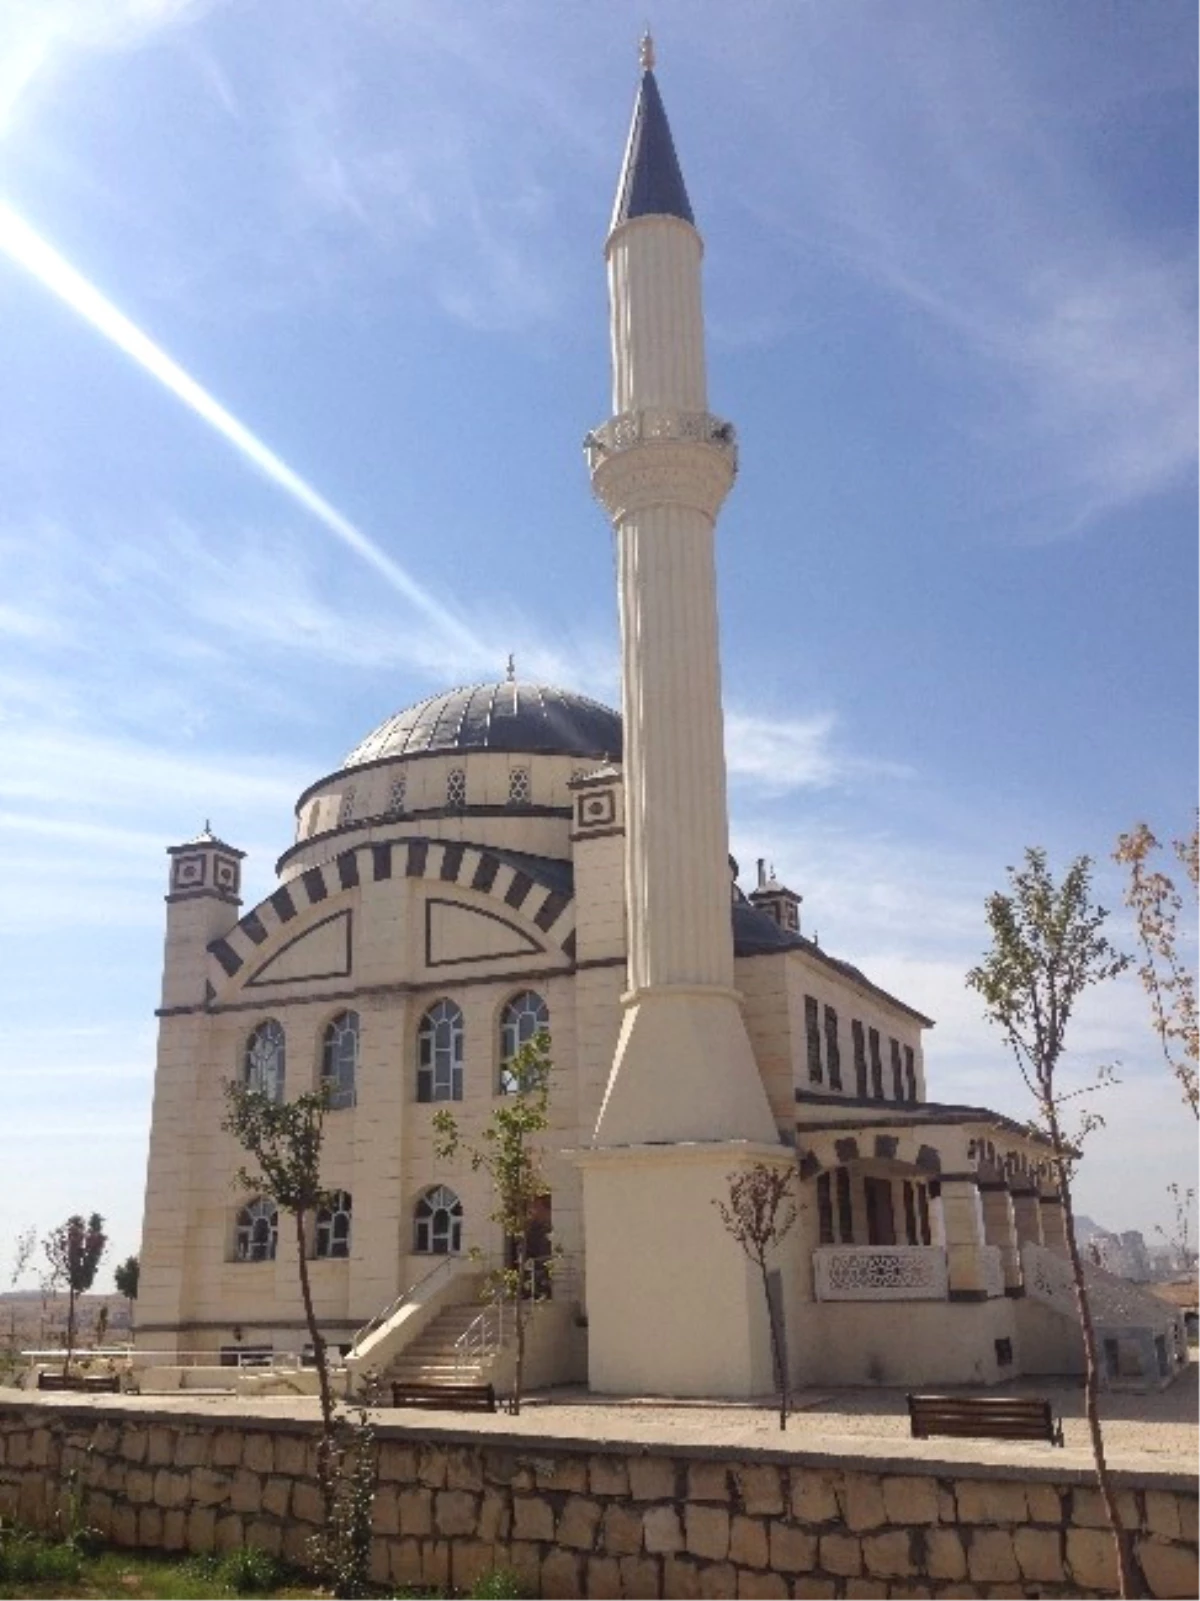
(73, 1251)
(511, 1158)
(1179, 1237)
(760, 1211)
(1157, 906)
(1047, 949)
(126, 1277)
(285, 1138)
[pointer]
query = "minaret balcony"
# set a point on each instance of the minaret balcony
(662, 456)
(659, 425)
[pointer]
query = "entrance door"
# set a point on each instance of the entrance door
(881, 1220)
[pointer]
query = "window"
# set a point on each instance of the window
(313, 814)
(812, 1028)
(339, 1060)
(876, 1065)
(456, 789)
(910, 1213)
(925, 1234)
(524, 1017)
(824, 1211)
(833, 1053)
(845, 1207)
(263, 1069)
(346, 811)
(440, 1054)
(910, 1072)
(257, 1231)
(333, 1226)
(897, 1071)
(396, 797)
(437, 1223)
(518, 787)
(860, 1060)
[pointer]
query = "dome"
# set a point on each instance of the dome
(526, 718)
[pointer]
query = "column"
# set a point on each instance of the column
(1000, 1230)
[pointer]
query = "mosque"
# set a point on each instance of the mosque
(510, 857)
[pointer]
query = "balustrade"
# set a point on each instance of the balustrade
(880, 1273)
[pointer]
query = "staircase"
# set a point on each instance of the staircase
(431, 1357)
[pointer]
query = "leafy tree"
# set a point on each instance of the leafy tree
(511, 1157)
(1157, 905)
(125, 1277)
(73, 1251)
(1047, 949)
(285, 1138)
(760, 1211)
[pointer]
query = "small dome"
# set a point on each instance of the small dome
(526, 718)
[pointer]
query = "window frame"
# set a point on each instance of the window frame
(255, 1074)
(428, 1085)
(506, 1081)
(327, 1237)
(812, 1035)
(257, 1210)
(342, 1093)
(437, 1200)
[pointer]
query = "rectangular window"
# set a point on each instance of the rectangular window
(860, 1060)
(876, 1065)
(897, 1071)
(923, 1214)
(824, 1210)
(833, 1054)
(844, 1207)
(812, 1028)
(910, 1072)
(910, 1214)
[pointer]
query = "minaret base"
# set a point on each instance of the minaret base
(684, 1070)
(674, 1306)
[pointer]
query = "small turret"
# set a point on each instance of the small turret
(202, 904)
(780, 903)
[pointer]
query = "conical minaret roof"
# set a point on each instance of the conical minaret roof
(651, 182)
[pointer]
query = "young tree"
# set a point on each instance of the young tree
(510, 1156)
(760, 1211)
(1179, 1237)
(284, 1138)
(1047, 949)
(126, 1277)
(73, 1251)
(1168, 979)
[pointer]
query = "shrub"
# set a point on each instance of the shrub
(500, 1584)
(249, 1571)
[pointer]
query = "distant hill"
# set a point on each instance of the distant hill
(28, 1320)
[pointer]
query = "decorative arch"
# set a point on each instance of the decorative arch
(437, 1223)
(440, 1052)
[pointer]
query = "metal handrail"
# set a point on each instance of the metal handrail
(487, 1333)
(389, 1312)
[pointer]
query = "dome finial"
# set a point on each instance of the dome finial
(646, 52)
(510, 671)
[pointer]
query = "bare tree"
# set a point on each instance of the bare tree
(73, 1251)
(1047, 949)
(1157, 905)
(511, 1157)
(760, 1211)
(1178, 1238)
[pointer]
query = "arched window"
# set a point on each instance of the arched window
(257, 1231)
(440, 1054)
(333, 1226)
(524, 1017)
(339, 1059)
(263, 1069)
(437, 1223)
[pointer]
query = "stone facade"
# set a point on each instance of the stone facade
(611, 1519)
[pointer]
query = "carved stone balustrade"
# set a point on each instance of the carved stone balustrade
(880, 1273)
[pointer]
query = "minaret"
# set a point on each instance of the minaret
(662, 466)
(673, 1307)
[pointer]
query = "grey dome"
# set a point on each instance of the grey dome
(515, 717)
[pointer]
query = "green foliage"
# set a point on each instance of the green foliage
(25, 1558)
(284, 1138)
(499, 1584)
(341, 1553)
(73, 1251)
(248, 1571)
(126, 1276)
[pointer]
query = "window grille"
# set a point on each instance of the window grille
(812, 1028)
(833, 1053)
(339, 1060)
(333, 1226)
(257, 1231)
(456, 789)
(437, 1223)
(440, 1054)
(523, 1018)
(264, 1065)
(518, 787)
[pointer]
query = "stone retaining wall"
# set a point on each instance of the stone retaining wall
(609, 1519)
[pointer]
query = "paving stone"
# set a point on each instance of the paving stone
(910, 1501)
(945, 1557)
(814, 1499)
(707, 1531)
(454, 1512)
(651, 1478)
(577, 1523)
(1039, 1554)
(1045, 1503)
(621, 1530)
(681, 1579)
(561, 1576)
(1092, 1559)
(640, 1580)
(707, 1481)
(769, 1585)
(246, 1492)
(229, 1533)
(533, 1518)
(991, 1556)
(603, 1579)
(265, 1536)
(863, 1500)
(792, 1550)
(888, 1555)
(841, 1554)
(290, 1453)
(1170, 1569)
(495, 1516)
(415, 1510)
(1162, 1514)
(661, 1531)
(747, 1542)
(201, 1522)
(464, 1471)
(759, 1490)
(469, 1561)
(991, 1501)
(608, 1475)
(810, 1588)
(276, 1495)
(560, 1473)
(718, 1581)
(258, 1453)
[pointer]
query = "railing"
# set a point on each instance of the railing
(490, 1331)
(880, 1273)
(442, 1265)
(654, 423)
(993, 1270)
(1048, 1277)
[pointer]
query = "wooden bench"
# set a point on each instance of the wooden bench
(93, 1383)
(454, 1397)
(985, 1417)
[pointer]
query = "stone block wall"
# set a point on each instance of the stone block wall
(599, 1520)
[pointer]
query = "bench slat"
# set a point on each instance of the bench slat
(1001, 1417)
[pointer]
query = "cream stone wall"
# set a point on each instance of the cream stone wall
(607, 1518)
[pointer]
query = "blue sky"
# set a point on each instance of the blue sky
(950, 279)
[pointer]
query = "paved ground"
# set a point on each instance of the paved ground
(1142, 1432)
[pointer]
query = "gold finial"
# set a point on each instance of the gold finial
(511, 670)
(646, 52)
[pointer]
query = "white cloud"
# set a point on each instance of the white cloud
(779, 754)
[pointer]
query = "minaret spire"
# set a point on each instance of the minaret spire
(651, 182)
